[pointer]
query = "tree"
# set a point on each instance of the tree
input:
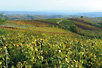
(81, 17)
(3, 19)
(74, 29)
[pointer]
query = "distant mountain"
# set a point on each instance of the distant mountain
(90, 14)
(34, 13)
(38, 12)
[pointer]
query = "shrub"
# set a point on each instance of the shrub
(3, 19)
(74, 29)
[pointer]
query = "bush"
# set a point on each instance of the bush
(3, 19)
(74, 29)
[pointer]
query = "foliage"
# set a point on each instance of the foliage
(85, 28)
(94, 21)
(2, 19)
(81, 16)
(74, 29)
(3, 32)
(26, 48)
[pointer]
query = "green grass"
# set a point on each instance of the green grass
(64, 21)
(51, 20)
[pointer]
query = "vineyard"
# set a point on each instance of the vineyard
(48, 46)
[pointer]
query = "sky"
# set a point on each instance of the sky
(51, 5)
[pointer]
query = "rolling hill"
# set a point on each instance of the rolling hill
(52, 43)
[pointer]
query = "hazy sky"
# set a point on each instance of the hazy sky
(48, 5)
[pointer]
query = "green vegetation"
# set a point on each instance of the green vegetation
(2, 19)
(50, 46)
(94, 21)
(2, 22)
(87, 26)
(74, 29)
(3, 32)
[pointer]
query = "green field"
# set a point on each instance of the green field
(31, 45)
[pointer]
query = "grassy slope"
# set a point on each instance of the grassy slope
(29, 25)
(94, 21)
(47, 28)
(29, 22)
(83, 26)
(65, 23)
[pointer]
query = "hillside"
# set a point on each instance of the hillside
(84, 24)
(48, 43)
(37, 26)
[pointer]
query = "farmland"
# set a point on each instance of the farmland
(48, 44)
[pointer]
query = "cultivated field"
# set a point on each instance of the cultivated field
(49, 44)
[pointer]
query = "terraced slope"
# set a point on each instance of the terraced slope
(63, 22)
(48, 25)
(32, 49)
(41, 27)
(31, 22)
(84, 25)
